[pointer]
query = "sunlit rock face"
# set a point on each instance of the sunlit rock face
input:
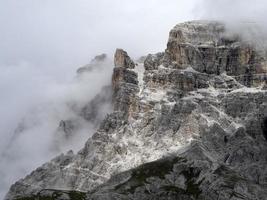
(189, 123)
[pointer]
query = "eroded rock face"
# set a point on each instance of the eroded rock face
(179, 129)
(205, 47)
(124, 82)
(152, 62)
(122, 59)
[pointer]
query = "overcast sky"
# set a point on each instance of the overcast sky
(72, 31)
(69, 32)
(43, 42)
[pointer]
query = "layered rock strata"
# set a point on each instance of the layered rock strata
(189, 123)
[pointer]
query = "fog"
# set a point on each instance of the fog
(32, 107)
(42, 45)
(234, 11)
(244, 17)
(44, 42)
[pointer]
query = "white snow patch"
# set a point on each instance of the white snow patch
(210, 121)
(140, 70)
(162, 67)
(248, 90)
(159, 95)
(211, 90)
(193, 95)
(190, 69)
(154, 95)
(170, 103)
(237, 125)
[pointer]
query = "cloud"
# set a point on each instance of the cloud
(70, 32)
(42, 45)
(246, 18)
(32, 107)
(44, 42)
(234, 11)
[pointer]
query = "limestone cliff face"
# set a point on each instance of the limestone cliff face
(189, 123)
(207, 48)
(124, 83)
(121, 59)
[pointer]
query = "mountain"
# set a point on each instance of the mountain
(188, 123)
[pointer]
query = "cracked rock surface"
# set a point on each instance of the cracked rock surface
(189, 123)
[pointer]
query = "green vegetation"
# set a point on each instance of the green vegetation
(192, 188)
(155, 169)
(140, 175)
(160, 169)
(171, 188)
(55, 194)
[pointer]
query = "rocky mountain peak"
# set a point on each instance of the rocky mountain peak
(121, 59)
(124, 82)
(207, 47)
(188, 123)
(198, 32)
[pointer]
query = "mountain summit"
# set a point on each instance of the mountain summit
(188, 123)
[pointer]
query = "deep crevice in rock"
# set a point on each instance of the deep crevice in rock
(264, 127)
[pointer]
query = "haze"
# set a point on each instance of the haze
(43, 42)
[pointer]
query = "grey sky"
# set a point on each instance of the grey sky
(71, 31)
(233, 11)
(244, 17)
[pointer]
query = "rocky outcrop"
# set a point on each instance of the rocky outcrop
(187, 124)
(206, 48)
(96, 64)
(122, 59)
(123, 93)
(152, 62)
(124, 82)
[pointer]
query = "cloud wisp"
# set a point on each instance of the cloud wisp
(31, 135)
(245, 18)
